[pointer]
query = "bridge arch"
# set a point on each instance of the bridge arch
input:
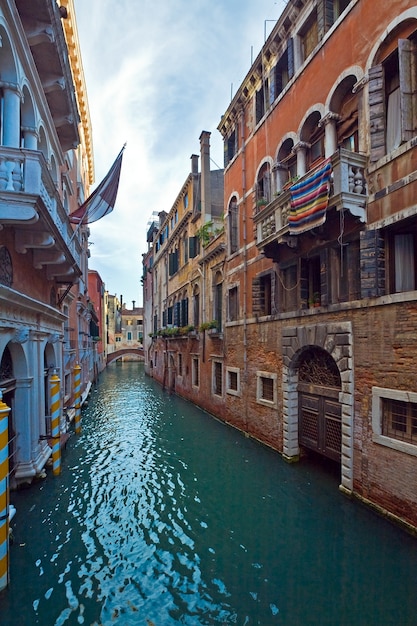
(118, 354)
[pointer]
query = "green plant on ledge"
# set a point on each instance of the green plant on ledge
(209, 325)
(205, 233)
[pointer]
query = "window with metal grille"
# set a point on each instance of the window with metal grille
(233, 381)
(399, 420)
(217, 378)
(267, 389)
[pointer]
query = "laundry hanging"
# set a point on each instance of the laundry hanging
(309, 200)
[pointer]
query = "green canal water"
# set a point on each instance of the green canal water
(163, 515)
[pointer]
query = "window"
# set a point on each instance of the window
(263, 186)
(233, 381)
(282, 72)
(309, 36)
(195, 372)
(311, 280)
(394, 419)
(265, 283)
(218, 299)
(193, 247)
(217, 378)
(196, 307)
(233, 225)
(261, 97)
(179, 364)
(230, 147)
(344, 270)
(173, 259)
(399, 420)
(185, 201)
(129, 335)
(266, 388)
(392, 99)
(289, 284)
(402, 259)
(233, 304)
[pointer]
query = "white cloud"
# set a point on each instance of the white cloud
(157, 74)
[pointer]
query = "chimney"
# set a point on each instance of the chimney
(133, 304)
(194, 164)
(205, 176)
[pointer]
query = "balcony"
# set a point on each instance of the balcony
(31, 205)
(348, 191)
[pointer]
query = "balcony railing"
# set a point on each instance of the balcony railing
(348, 191)
(29, 196)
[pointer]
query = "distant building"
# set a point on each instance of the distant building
(131, 331)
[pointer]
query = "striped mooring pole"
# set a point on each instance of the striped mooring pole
(4, 493)
(77, 398)
(54, 386)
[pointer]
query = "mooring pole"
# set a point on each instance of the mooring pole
(54, 387)
(4, 493)
(77, 398)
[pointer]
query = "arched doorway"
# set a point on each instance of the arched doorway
(319, 409)
(336, 340)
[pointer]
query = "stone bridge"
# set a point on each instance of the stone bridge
(118, 354)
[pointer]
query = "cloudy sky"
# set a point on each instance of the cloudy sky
(157, 74)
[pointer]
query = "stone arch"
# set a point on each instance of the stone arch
(8, 65)
(337, 341)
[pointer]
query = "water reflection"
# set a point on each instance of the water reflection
(164, 516)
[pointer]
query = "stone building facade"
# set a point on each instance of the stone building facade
(45, 173)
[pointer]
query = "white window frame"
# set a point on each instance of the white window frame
(378, 394)
(229, 390)
(259, 398)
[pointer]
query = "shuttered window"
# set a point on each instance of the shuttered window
(392, 100)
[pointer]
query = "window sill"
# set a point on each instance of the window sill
(395, 444)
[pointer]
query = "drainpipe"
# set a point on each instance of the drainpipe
(245, 260)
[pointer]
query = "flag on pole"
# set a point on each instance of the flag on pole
(102, 200)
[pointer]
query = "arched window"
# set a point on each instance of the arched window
(263, 185)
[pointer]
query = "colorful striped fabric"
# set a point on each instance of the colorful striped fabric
(309, 199)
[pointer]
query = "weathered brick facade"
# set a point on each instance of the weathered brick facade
(318, 338)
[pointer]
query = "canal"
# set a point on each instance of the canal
(162, 515)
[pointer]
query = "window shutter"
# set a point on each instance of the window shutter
(259, 105)
(278, 79)
(321, 20)
(407, 63)
(177, 311)
(290, 54)
(377, 112)
(272, 94)
(193, 246)
(170, 263)
(164, 318)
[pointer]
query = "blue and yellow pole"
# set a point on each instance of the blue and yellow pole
(54, 387)
(77, 398)
(4, 493)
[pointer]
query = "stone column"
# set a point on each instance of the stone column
(11, 115)
(300, 149)
(329, 122)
